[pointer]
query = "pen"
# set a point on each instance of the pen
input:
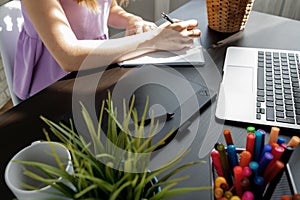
(272, 185)
(166, 17)
(273, 135)
(232, 156)
(215, 157)
(271, 173)
(267, 148)
(245, 158)
(264, 161)
(257, 145)
(295, 140)
(224, 162)
(238, 175)
(228, 137)
(250, 143)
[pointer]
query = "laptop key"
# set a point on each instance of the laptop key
(258, 116)
(260, 78)
(286, 120)
(298, 119)
(270, 114)
(280, 114)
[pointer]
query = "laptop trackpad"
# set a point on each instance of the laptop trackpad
(239, 92)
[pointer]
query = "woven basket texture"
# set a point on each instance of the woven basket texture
(228, 15)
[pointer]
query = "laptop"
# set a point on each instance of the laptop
(260, 86)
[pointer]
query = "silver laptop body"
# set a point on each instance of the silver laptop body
(246, 97)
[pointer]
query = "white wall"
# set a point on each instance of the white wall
(285, 8)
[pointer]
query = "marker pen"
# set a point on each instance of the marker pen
(232, 156)
(254, 168)
(215, 157)
(235, 198)
(224, 162)
(247, 171)
(238, 175)
(245, 183)
(228, 137)
(257, 145)
(267, 148)
(220, 182)
(258, 187)
(296, 197)
(248, 196)
(276, 152)
(288, 151)
(218, 192)
(250, 129)
(263, 138)
(270, 173)
(280, 140)
(295, 140)
(228, 194)
(265, 160)
(285, 197)
(273, 184)
(245, 158)
(250, 143)
(273, 135)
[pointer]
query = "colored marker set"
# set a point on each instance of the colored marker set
(252, 172)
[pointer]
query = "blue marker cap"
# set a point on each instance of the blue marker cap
(258, 180)
(254, 167)
(280, 141)
(267, 148)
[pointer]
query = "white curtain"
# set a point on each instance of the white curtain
(285, 8)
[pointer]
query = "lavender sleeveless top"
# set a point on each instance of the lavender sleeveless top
(35, 68)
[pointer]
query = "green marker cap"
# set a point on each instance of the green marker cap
(250, 129)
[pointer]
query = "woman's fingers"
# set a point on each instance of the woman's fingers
(185, 25)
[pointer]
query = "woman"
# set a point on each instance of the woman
(59, 34)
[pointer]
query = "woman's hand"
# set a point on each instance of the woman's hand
(176, 36)
(136, 25)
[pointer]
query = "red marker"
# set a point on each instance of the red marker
(245, 158)
(238, 176)
(215, 157)
(296, 197)
(285, 197)
(250, 143)
(271, 172)
(228, 137)
(277, 153)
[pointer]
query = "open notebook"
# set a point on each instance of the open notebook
(187, 56)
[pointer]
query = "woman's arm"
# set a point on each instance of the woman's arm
(51, 24)
(133, 24)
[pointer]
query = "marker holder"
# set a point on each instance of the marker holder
(285, 186)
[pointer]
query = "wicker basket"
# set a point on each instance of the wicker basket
(228, 15)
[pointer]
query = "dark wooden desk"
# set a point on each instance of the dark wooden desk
(21, 125)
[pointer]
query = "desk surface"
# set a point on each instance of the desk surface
(21, 125)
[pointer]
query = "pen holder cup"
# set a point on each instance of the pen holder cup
(228, 16)
(285, 185)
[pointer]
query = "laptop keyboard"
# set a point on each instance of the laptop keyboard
(278, 89)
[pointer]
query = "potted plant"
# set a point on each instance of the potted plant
(115, 169)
